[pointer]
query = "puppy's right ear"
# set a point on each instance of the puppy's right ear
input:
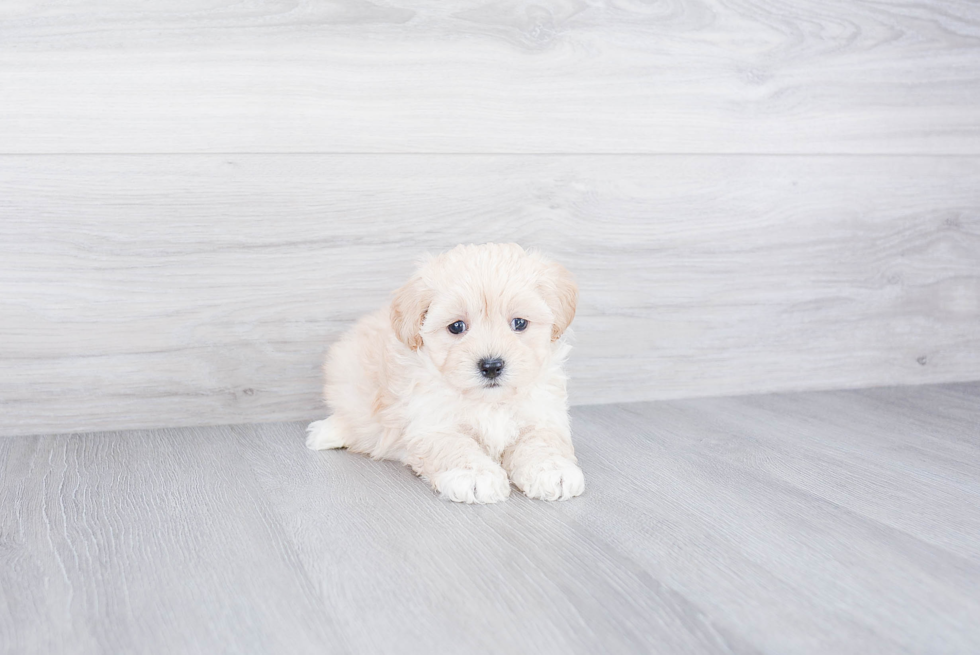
(408, 309)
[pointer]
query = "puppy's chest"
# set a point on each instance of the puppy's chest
(495, 428)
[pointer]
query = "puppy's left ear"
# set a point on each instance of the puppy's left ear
(561, 294)
(408, 309)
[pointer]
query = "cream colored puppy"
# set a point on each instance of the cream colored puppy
(461, 377)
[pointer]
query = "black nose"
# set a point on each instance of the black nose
(491, 368)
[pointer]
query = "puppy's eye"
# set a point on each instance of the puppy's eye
(458, 327)
(518, 324)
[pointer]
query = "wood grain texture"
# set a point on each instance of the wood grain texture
(841, 522)
(147, 542)
(151, 291)
(854, 505)
(500, 76)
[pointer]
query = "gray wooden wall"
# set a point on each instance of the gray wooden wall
(196, 198)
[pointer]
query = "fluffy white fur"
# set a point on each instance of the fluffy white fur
(402, 387)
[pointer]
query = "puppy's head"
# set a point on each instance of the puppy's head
(486, 315)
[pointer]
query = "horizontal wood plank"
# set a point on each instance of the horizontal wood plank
(182, 290)
(687, 76)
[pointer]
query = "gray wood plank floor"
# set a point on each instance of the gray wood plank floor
(844, 522)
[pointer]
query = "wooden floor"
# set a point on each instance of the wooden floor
(832, 522)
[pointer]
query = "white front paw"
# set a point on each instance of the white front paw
(473, 485)
(551, 479)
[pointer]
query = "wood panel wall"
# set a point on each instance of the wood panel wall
(197, 198)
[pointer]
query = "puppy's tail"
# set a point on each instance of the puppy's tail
(324, 435)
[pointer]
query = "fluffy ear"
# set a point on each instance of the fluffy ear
(408, 309)
(561, 294)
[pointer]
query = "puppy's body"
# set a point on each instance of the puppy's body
(402, 386)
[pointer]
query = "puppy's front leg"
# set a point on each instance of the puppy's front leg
(457, 467)
(542, 464)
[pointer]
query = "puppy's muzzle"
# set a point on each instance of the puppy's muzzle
(491, 367)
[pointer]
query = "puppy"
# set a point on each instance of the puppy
(461, 377)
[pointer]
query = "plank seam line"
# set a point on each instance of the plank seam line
(489, 154)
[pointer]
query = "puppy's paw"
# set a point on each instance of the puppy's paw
(550, 479)
(323, 435)
(473, 485)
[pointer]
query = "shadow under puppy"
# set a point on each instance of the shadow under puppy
(461, 377)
